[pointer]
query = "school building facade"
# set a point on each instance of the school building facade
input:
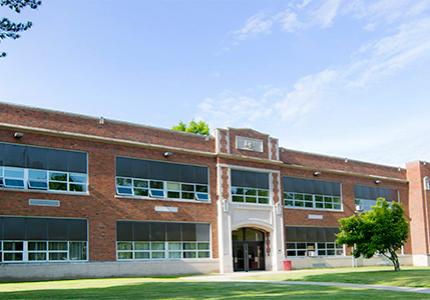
(89, 197)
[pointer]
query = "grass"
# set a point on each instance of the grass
(407, 277)
(144, 288)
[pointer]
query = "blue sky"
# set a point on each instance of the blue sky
(345, 78)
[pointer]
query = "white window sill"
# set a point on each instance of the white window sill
(162, 199)
(315, 209)
(45, 192)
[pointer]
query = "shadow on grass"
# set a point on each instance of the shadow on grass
(206, 290)
(407, 278)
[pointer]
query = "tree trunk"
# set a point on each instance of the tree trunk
(395, 260)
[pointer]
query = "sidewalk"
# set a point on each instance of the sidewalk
(241, 277)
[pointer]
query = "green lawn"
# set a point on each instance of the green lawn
(408, 277)
(145, 288)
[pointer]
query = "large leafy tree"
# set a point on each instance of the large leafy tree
(199, 127)
(382, 230)
(10, 29)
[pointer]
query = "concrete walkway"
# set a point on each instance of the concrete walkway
(241, 277)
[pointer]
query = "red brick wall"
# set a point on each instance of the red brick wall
(327, 162)
(101, 207)
(419, 206)
(295, 216)
(53, 120)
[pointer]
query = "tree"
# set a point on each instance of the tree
(12, 30)
(382, 230)
(200, 127)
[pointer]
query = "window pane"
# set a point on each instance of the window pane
(59, 186)
(190, 255)
(157, 185)
(204, 254)
(175, 246)
(264, 193)
(125, 246)
(124, 191)
(57, 255)
(77, 188)
(140, 183)
(141, 255)
(263, 200)
(175, 254)
(187, 195)
(78, 178)
(190, 246)
(77, 250)
(251, 192)
(156, 255)
(125, 255)
(123, 181)
(12, 256)
(203, 246)
(36, 246)
(36, 256)
(57, 245)
(202, 188)
(40, 175)
(251, 199)
(237, 198)
(174, 186)
(187, 187)
(157, 246)
(141, 192)
(13, 246)
(58, 176)
(142, 245)
(174, 195)
(157, 193)
(13, 172)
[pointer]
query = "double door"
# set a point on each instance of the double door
(248, 256)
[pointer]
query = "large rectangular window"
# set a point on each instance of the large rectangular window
(36, 168)
(156, 179)
(158, 240)
(26, 239)
(311, 194)
(250, 187)
(312, 241)
(365, 196)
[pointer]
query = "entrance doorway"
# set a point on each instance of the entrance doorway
(248, 250)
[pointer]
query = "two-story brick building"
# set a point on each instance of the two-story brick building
(86, 197)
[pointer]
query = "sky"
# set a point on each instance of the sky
(348, 78)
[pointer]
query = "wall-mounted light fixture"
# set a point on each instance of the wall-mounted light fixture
(378, 181)
(317, 173)
(18, 135)
(167, 154)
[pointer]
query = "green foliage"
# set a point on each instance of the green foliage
(382, 230)
(199, 127)
(9, 29)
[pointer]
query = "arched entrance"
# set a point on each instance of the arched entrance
(248, 250)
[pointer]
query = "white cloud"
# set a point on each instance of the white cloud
(257, 24)
(325, 14)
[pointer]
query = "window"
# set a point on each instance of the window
(366, 196)
(143, 178)
(157, 240)
(312, 241)
(26, 239)
(245, 143)
(250, 195)
(36, 168)
(250, 187)
(311, 194)
(314, 249)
